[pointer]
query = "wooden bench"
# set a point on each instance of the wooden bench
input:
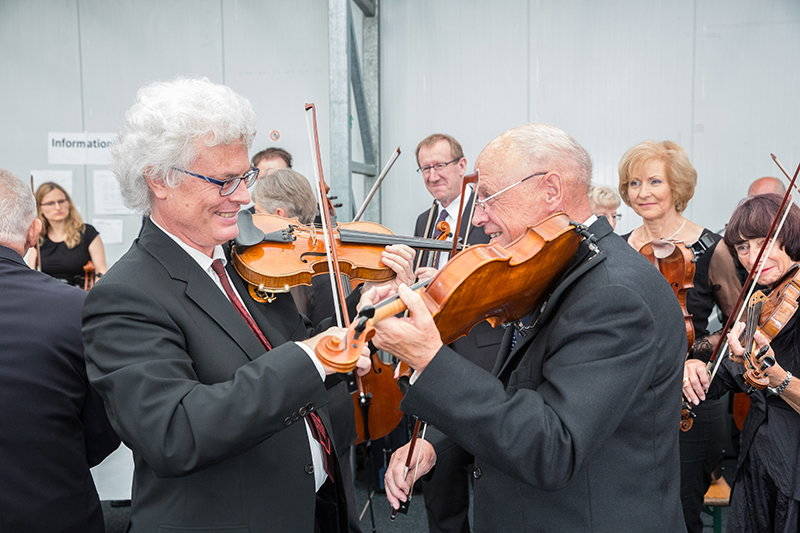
(717, 496)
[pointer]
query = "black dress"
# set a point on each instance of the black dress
(67, 263)
(766, 492)
(701, 448)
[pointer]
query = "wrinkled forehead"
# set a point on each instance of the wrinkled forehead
(498, 166)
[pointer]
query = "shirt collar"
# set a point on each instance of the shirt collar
(589, 221)
(200, 258)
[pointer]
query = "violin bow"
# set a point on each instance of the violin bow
(753, 275)
(468, 179)
(375, 186)
(326, 217)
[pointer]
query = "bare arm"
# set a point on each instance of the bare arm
(97, 252)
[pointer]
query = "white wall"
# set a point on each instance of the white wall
(717, 76)
(75, 65)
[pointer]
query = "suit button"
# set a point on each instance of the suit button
(287, 421)
(309, 468)
(476, 472)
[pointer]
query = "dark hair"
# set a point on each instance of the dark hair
(273, 152)
(752, 219)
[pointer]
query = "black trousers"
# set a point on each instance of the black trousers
(701, 450)
(447, 493)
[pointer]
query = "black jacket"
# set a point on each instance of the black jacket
(52, 424)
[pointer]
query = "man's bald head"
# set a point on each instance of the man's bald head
(766, 185)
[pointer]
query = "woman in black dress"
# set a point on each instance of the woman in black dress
(657, 180)
(766, 492)
(66, 243)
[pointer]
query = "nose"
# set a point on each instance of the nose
(479, 217)
(241, 195)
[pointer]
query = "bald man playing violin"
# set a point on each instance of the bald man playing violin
(576, 425)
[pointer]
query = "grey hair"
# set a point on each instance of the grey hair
(17, 209)
(287, 189)
(162, 127)
(604, 196)
(538, 141)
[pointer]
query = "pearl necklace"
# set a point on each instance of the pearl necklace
(674, 233)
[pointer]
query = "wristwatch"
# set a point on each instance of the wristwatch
(777, 391)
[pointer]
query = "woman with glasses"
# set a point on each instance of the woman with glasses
(657, 180)
(66, 244)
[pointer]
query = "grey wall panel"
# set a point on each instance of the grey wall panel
(276, 55)
(41, 92)
(612, 74)
(458, 67)
(746, 103)
(127, 44)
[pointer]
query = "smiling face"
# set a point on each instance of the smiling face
(775, 266)
(443, 184)
(194, 211)
(507, 216)
(649, 192)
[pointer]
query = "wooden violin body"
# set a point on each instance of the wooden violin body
(676, 263)
(484, 282)
(292, 254)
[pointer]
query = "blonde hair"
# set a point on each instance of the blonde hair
(681, 175)
(73, 224)
(603, 196)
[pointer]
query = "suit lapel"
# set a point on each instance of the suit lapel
(584, 261)
(263, 313)
(199, 288)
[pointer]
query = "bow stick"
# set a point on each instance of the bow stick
(375, 186)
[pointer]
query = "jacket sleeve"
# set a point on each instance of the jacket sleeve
(137, 360)
(601, 357)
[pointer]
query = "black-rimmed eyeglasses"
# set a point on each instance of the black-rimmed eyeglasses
(229, 186)
(437, 166)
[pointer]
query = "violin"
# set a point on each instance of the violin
(457, 295)
(767, 314)
(288, 253)
(89, 276)
(676, 262)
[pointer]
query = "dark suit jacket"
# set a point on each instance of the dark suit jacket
(215, 422)
(481, 344)
(52, 424)
(576, 430)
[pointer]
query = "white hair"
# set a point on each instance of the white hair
(537, 141)
(17, 209)
(161, 130)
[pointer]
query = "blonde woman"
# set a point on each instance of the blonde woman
(66, 243)
(657, 180)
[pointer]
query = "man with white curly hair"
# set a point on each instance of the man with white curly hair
(224, 410)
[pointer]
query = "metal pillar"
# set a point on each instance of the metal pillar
(361, 74)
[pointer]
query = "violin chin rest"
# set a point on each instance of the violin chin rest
(249, 234)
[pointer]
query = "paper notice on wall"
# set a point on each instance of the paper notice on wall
(110, 229)
(107, 197)
(62, 177)
(79, 148)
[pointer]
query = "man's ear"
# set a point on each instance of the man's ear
(156, 184)
(32, 236)
(553, 190)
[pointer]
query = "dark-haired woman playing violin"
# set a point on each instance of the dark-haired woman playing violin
(766, 492)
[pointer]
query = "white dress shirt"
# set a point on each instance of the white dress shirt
(205, 262)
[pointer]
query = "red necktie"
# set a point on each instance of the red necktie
(316, 426)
